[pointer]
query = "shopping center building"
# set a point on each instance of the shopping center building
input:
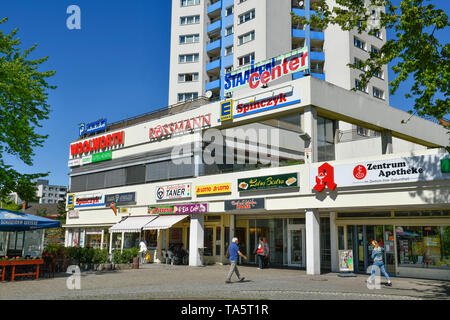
(275, 164)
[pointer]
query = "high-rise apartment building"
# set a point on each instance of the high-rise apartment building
(210, 38)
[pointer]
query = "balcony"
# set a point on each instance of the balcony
(214, 64)
(227, 60)
(214, 44)
(214, 6)
(317, 55)
(317, 35)
(298, 33)
(212, 85)
(214, 25)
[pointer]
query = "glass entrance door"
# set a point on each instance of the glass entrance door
(296, 246)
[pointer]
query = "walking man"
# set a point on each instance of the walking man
(142, 251)
(234, 252)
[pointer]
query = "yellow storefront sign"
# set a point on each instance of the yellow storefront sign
(213, 189)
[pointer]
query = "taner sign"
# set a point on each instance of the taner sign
(266, 71)
(177, 191)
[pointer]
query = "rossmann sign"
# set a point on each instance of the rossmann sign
(97, 144)
(180, 127)
(261, 73)
(389, 171)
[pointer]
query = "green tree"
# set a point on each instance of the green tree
(415, 51)
(23, 105)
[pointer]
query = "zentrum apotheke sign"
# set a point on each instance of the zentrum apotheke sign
(180, 127)
(96, 144)
(389, 171)
(266, 71)
(231, 109)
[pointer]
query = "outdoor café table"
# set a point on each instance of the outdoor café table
(15, 263)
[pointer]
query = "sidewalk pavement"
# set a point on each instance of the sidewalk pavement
(160, 281)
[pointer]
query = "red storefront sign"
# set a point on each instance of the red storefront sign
(325, 176)
(100, 143)
(180, 126)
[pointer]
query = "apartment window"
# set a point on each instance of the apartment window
(229, 31)
(359, 86)
(240, 1)
(191, 38)
(187, 3)
(229, 11)
(358, 64)
(187, 96)
(228, 50)
(379, 74)
(247, 16)
(188, 58)
(377, 34)
(377, 93)
(188, 77)
(247, 37)
(362, 131)
(359, 43)
(374, 49)
(228, 69)
(190, 20)
(246, 59)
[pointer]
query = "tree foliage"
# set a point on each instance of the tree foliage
(23, 106)
(415, 51)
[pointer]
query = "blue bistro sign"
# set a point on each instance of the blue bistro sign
(92, 127)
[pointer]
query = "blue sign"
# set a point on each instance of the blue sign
(226, 111)
(93, 127)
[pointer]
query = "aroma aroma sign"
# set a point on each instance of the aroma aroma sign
(180, 127)
(96, 144)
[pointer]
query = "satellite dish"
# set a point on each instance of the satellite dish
(208, 94)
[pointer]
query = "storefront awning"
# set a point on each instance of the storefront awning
(131, 224)
(164, 222)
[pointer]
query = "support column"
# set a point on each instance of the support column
(386, 142)
(66, 238)
(121, 243)
(111, 236)
(232, 226)
(102, 239)
(333, 242)
(158, 254)
(312, 241)
(196, 239)
(310, 127)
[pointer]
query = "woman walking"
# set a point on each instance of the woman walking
(261, 253)
(377, 256)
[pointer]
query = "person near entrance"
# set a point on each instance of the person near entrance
(377, 256)
(233, 252)
(266, 251)
(260, 252)
(142, 251)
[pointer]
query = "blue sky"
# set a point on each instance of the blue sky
(115, 67)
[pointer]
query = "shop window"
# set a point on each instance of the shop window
(363, 214)
(424, 246)
(325, 139)
(433, 213)
(131, 240)
(218, 241)
(213, 218)
(341, 238)
(175, 236)
(151, 237)
(208, 242)
(135, 175)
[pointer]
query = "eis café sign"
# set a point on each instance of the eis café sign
(258, 74)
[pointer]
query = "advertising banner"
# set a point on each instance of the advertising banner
(120, 198)
(73, 214)
(268, 182)
(70, 201)
(244, 204)
(213, 189)
(345, 260)
(190, 208)
(257, 74)
(89, 200)
(399, 170)
(177, 191)
(275, 99)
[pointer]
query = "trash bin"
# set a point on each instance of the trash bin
(136, 263)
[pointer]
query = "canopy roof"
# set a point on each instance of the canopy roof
(19, 221)
(131, 224)
(164, 222)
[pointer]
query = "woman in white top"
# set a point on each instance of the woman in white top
(142, 251)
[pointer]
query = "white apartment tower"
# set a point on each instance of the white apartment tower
(210, 38)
